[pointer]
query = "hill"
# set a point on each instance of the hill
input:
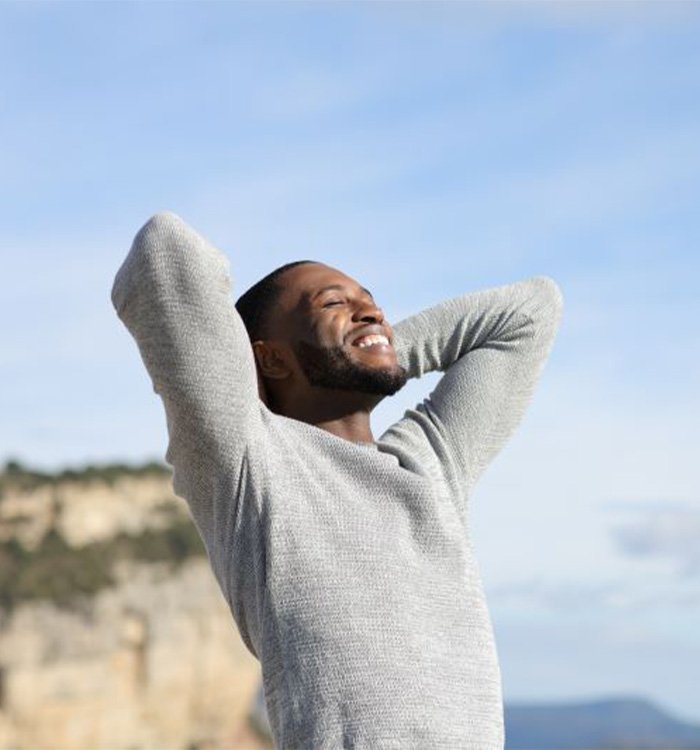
(615, 724)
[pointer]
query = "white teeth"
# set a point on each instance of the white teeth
(371, 340)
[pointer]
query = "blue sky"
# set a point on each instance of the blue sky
(429, 150)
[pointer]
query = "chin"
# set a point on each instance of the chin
(381, 381)
(336, 369)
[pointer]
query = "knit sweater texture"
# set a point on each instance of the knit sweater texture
(348, 568)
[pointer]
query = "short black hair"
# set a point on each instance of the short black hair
(254, 305)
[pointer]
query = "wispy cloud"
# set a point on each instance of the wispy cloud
(670, 533)
(595, 598)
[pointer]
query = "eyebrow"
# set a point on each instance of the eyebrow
(338, 287)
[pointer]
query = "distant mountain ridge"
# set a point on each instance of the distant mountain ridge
(613, 724)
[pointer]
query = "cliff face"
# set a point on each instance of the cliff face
(147, 657)
(85, 511)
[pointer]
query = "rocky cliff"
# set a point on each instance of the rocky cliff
(113, 632)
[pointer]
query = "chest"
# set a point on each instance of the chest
(340, 524)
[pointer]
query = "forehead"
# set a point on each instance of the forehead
(302, 283)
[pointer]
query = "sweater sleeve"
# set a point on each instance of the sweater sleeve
(491, 346)
(173, 294)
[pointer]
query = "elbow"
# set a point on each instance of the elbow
(551, 293)
(160, 231)
(546, 304)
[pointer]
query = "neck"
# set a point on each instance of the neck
(342, 413)
(354, 427)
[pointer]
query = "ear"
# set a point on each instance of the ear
(270, 360)
(262, 390)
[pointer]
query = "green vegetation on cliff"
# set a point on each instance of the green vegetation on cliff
(17, 476)
(65, 575)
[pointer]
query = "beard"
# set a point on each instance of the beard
(332, 367)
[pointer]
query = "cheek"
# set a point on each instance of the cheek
(328, 331)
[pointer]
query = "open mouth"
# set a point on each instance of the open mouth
(371, 340)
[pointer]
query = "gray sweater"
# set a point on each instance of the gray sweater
(348, 567)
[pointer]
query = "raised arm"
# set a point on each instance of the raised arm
(492, 346)
(172, 293)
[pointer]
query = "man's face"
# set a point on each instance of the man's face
(336, 332)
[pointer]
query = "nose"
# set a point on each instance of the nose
(368, 312)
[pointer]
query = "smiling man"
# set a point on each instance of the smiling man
(323, 348)
(346, 561)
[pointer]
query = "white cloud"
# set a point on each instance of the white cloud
(643, 593)
(671, 533)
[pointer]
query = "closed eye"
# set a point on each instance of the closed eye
(333, 302)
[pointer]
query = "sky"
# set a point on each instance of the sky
(428, 150)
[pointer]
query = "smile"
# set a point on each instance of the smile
(373, 339)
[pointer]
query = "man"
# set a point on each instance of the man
(346, 560)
